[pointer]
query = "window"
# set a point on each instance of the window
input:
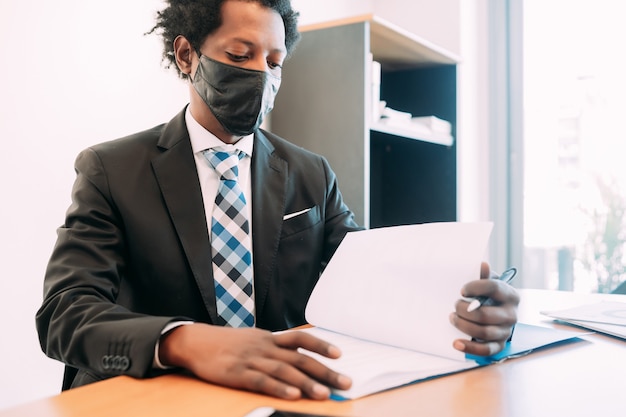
(574, 144)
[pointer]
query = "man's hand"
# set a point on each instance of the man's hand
(254, 359)
(491, 325)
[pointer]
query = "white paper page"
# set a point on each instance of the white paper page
(398, 285)
(611, 329)
(605, 316)
(374, 367)
(607, 312)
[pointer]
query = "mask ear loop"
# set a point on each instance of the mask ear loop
(198, 54)
(196, 48)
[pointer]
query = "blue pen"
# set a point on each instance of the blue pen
(477, 302)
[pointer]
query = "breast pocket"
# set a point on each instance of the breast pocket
(299, 221)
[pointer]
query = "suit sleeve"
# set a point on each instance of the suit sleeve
(79, 322)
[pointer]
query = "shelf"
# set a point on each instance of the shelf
(394, 47)
(389, 173)
(405, 132)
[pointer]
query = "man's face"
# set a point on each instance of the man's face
(251, 36)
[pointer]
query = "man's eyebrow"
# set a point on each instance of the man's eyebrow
(246, 42)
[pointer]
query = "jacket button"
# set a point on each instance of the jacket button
(106, 362)
(115, 363)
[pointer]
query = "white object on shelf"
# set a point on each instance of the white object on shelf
(424, 128)
(396, 115)
(433, 123)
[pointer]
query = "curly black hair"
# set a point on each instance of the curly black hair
(196, 19)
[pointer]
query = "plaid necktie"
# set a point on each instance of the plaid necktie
(231, 243)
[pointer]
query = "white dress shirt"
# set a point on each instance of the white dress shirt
(202, 139)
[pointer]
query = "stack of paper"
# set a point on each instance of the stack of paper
(605, 317)
(434, 124)
(430, 128)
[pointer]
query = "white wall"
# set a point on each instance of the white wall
(435, 20)
(74, 73)
(327, 10)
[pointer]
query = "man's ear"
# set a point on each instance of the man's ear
(183, 51)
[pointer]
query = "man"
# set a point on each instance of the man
(136, 284)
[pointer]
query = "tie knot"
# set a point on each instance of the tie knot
(225, 163)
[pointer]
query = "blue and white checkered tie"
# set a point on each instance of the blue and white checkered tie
(231, 243)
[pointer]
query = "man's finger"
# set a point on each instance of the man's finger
(295, 340)
(485, 270)
(258, 381)
(498, 291)
(305, 379)
(292, 341)
(478, 348)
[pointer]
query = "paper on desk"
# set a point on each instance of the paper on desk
(398, 285)
(605, 316)
(607, 312)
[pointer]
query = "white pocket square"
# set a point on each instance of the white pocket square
(297, 213)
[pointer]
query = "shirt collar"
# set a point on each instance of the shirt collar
(202, 139)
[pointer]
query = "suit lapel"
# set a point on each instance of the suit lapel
(175, 170)
(269, 184)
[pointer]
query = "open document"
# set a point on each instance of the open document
(385, 297)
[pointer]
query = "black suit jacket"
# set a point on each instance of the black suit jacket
(134, 252)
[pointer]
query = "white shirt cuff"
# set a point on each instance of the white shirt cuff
(156, 363)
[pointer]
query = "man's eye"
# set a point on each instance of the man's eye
(273, 65)
(236, 58)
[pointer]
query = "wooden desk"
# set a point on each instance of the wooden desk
(585, 378)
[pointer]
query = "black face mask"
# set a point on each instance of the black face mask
(239, 98)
